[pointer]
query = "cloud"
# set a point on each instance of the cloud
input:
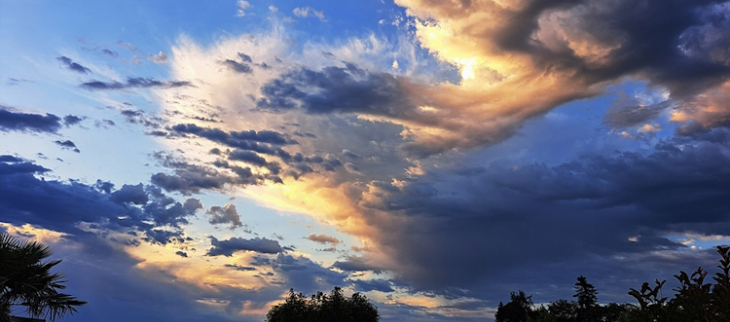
(324, 239)
(65, 206)
(305, 12)
(236, 66)
(67, 144)
(130, 194)
(134, 82)
(304, 275)
(127, 46)
(15, 81)
(245, 58)
(350, 154)
(181, 254)
(357, 264)
(190, 178)
(561, 213)
(225, 215)
(19, 121)
(628, 112)
(159, 58)
(380, 285)
(71, 65)
(234, 139)
(240, 268)
(247, 156)
(242, 5)
(436, 197)
(430, 113)
(176, 285)
(229, 246)
(69, 120)
(109, 52)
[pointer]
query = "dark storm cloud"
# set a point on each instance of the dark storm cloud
(233, 139)
(166, 211)
(245, 58)
(134, 82)
(12, 165)
(350, 154)
(357, 264)
(686, 33)
(62, 206)
(19, 121)
(304, 275)
(188, 181)
(247, 156)
(262, 141)
(157, 133)
(240, 268)
(331, 162)
(338, 90)
(70, 64)
(229, 246)
(237, 67)
(372, 285)
(181, 253)
(130, 194)
(69, 120)
(474, 229)
(189, 178)
(68, 144)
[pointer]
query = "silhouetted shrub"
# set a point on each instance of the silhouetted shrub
(321, 307)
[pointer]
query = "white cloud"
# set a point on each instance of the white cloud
(305, 12)
(243, 5)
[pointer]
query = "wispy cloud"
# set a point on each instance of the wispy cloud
(134, 82)
(305, 12)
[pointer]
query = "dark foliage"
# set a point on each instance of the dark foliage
(518, 309)
(321, 307)
(695, 300)
(25, 280)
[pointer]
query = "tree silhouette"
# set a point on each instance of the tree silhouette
(25, 280)
(721, 291)
(586, 293)
(587, 296)
(564, 311)
(695, 300)
(518, 309)
(321, 307)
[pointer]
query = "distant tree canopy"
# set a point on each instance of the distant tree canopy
(695, 300)
(321, 307)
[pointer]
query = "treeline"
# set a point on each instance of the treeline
(321, 307)
(696, 299)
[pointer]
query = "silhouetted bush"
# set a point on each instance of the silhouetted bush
(321, 307)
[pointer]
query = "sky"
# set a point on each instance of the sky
(193, 161)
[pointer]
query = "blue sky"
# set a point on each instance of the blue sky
(196, 160)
